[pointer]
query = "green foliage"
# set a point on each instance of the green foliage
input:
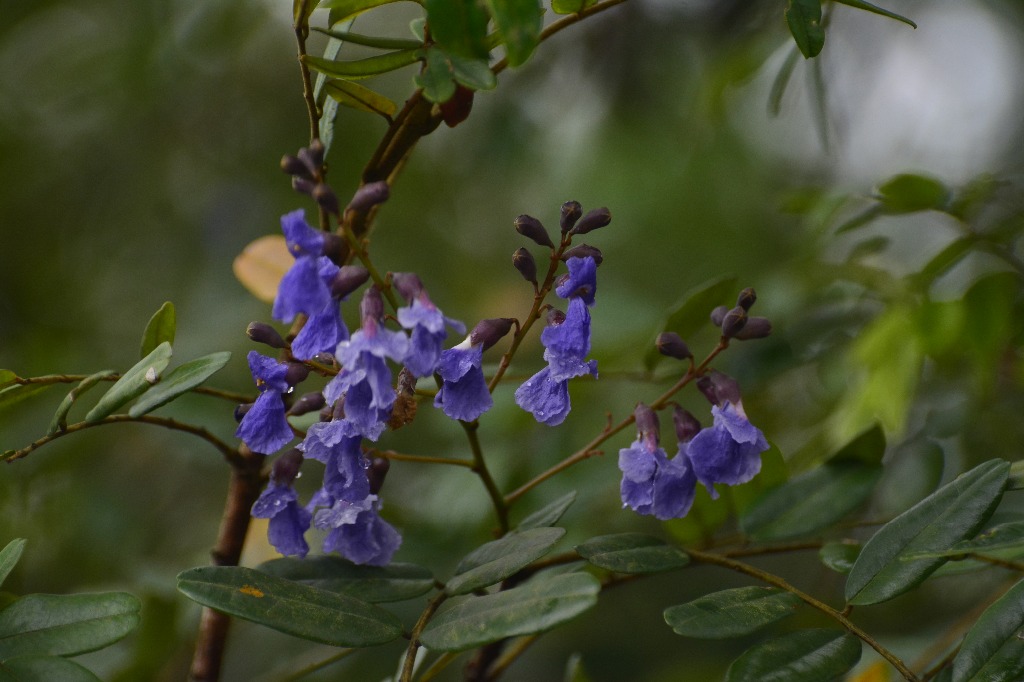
(459, 28)
(35, 668)
(374, 584)
(839, 556)
(365, 68)
(360, 97)
(9, 557)
(59, 422)
(690, 314)
(132, 383)
(993, 649)
(804, 656)
(549, 514)
(570, 6)
(632, 553)
(179, 381)
(518, 23)
(65, 624)
(160, 328)
(493, 562)
(731, 613)
(804, 19)
(868, 7)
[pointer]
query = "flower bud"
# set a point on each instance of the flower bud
(755, 328)
(335, 248)
(686, 424)
(315, 152)
(531, 228)
(300, 184)
(733, 322)
(286, 467)
(327, 199)
(296, 373)
(584, 251)
(241, 411)
(570, 213)
(292, 165)
(719, 388)
(672, 345)
(595, 219)
(646, 424)
(309, 402)
(378, 469)
(372, 305)
(261, 332)
(369, 195)
(555, 317)
(746, 298)
(490, 331)
(408, 284)
(523, 261)
(348, 279)
(718, 315)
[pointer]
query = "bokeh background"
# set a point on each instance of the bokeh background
(139, 148)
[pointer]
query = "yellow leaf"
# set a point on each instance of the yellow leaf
(262, 264)
(876, 672)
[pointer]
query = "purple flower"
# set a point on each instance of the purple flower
(428, 334)
(325, 328)
(464, 394)
(566, 344)
(302, 289)
(264, 428)
(581, 281)
(337, 445)
(729, 451)
(545, 397)
(653, 484)
(357, 532)
(288, 520)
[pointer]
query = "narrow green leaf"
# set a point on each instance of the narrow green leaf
(60, 417)
(811, 502)
(179, 381)
(328, 105)
(907, 193)
(519, 23)
(731, 613)
(953, 513)
(343, 9)
(1016, 480)
(804, 19)
(346, 36)
(535, 606)
(804, 656)
(993, 649)
(867, 447)
(7, 377)
(12, 395)
(359, 97)
(459, 28)
(475, 74)
(293, 608)
(132, 383)
(863, 218)
(9, 557)
(493, 562)
(549, 514)
(436, 78)
(375, 584)
(839, 556)
(364, 68)
(161, 327)
(44, 669)
(570, 6)
(66, 624)
(632, 553)
(692, 312)
(781, 81)
(867, 6)
(1005, 536)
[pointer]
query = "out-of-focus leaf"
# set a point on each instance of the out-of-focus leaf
(989, 316)
(876, 672)
(839, 556)
(993, 649)
(12, 395)
(804, 19)
(774, 473)
(293, 608)
(493, 562)
(1016, 481)
(179, 381)
(160, 328)
(262, 264)
(869, 247)
(867, 6)
(9, 556)
(867, 447)
(804, 656)
(861, 219)
(535, 606)
(953, 513)
(44, 669)
(574, 671)
(359, 97)
(570, 6)
(475, 74)
(731, 613)
(365, 68)
(343, 9)
(59, 422)
(941, 262)
(375, 584)
(549, 514)
(907, 193)
(693, 311)
(913, 473)
(436, 78)
(700, 523)
(7, 377)
(519, 23)
(132, 383)
(301, 9)
(632, 553)
(781, 81)
(459, 28)
(66, 624)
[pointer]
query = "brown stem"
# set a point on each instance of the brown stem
(414, 637)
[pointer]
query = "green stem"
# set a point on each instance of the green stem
(480, 467)
(400, 457)
(414, 636)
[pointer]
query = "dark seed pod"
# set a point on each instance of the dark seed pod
(369, 195)
(570, 213)
(584, 251)
(292, 165)
(523, 261)
(733, 322)
(457, 109)
(348, 279)
(746, 298)
(286, 467)
(379, 468)
(309, 402)
(327, 199)
(755, 328)
(261, 332)
(300, 184)
(531, 228)
(672, 345)
(296, 373)
(595, 219)
(718, 315)
(490, 331)
(686, 424)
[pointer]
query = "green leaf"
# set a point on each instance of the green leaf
(179, 381)
(1005, 536)
(436, 79)
(632, 553)
(364, 68)
(475, 74)
(161, 327)
(293, 608)
(693, 311)
(868, 447)
(359, 97)
(519, 23)
(346, 36)
(7, 377)
(44, 669)
(839, 556)
(60, 417)
(804, 19)
(66, 624)
(953, 513)
(913, 473)
(343, 9)
(907, 193)
(328, 105)
(132, 383)
(9, 557)
(861, 219)
(804, 656)
(375, 584)
(535, 606)
(993, 649)
(459, 28)
(781, 81)
(570, 6)
(867, 6)
(574, 671)
(12, 395)
(493, 562)
(731, 613)
(810, 502)
(549, 514)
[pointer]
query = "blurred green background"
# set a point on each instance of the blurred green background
(139, 148)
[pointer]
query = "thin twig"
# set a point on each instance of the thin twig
(78, 378)
(414, 637)
(421, 459)
(481, 470)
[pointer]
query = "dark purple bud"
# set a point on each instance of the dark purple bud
(672, 345)
(733, 322)
(555, 317)
(372, 305)
(316, 152)
(286, 467)
(594, 220)
(335, 248)
(647, 424)
(310, 402)
(303, 185)
(531, 228)
(719, 388)
(755, 328)
(584, 251)
(378, 470)
(718, 315)
(326, 413)
(348, 279)
(292, 165)
(309, 161)
(369, 195)
(746, 298)
(570, 213)
(327, 199)
(261, 332)
(523, 261)
(407, 284)
(686, 424)
(490, 331)
(296, 373)
(241, 410)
